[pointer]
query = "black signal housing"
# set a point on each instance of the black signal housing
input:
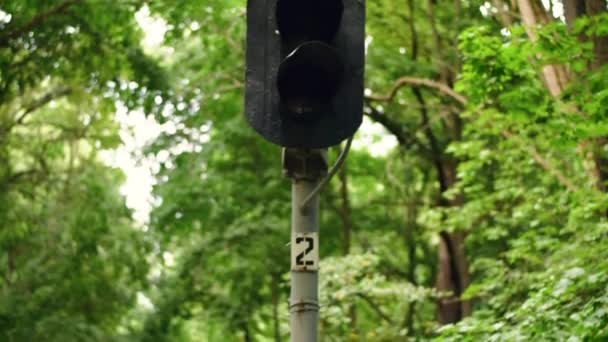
(304, 72)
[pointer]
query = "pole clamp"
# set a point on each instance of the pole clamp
(304, 164)
(304, 305)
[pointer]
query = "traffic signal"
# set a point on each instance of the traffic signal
(305, 63)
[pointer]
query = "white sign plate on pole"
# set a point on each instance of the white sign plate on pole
(305, 252)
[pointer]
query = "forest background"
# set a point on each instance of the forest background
(473, 207)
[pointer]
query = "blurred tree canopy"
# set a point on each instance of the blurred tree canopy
(478, 213)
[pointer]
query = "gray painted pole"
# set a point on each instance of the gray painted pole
(306, 168)
(304, 298)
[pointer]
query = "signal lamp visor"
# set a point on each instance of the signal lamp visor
(302, 20)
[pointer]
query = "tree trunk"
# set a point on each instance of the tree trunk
(600, 48)
(345, 210)
(409, 235)
(555, 77)
(502, 13)
(453, 271)
(600, 44)
(274, 288)
(246, 333)
(347, 228)
(595, 162)
(10, 265)
(572, 10)
(577, 8)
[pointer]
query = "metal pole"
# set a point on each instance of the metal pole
(304, 299)
(306, 168)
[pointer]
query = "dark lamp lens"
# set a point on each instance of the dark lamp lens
(309, 78)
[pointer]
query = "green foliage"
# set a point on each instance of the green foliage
(213, 258)
(353, 280)
(537, 247)
(72, 259)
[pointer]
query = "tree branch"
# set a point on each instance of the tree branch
(544, 163)
(15, 177)
(392, 126)
(413, 81)
(35, 21)
(403, 137)
(436, 151)
(48, 97)
(400, 134)
(376, 308)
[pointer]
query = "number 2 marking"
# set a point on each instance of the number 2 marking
(305, 252)
(311, 245)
